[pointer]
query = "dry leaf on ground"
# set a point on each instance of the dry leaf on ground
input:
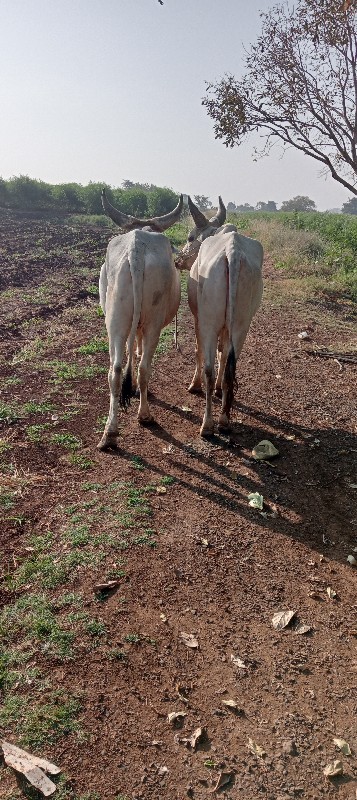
(223, 779)
(302, 628)
(333, 769)
(282, 618)
(256, 749)
(176, 716)
(109, 586)
(195, 737)
(161, 489)
(232, 705)
(189, 639)
(343, 746)
(331, 592)
(237, 662)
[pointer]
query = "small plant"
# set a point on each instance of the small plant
(132, 638)
(117, 655)
(95, 346)
(81, 461)
(37, 408)
(66, 440)
(167, 480)
(137, 462)
(34, 433)
(8, 413)
(96, 628)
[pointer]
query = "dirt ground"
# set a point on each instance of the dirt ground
(194, 557)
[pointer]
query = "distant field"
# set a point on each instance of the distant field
(323, 244)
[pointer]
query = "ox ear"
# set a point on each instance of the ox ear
(220, 217)
(124, 221)
(199, 219)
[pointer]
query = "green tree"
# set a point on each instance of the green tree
(136, 202)
(298, 203)
(350, 207)
(161, 201)
(203, 202)
(4, 194)
(28, 194)
(299, 87)
(68, 197)
(269, 206)
(244, 207)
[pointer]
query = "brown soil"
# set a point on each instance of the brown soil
(220, 569)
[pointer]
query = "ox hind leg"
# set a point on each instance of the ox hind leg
(195, 386)
(150, 340)
(115, 379)
(134, 371)
(229, 382)
(210, 346)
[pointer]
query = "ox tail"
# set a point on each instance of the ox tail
(233, 269)
(136, 264)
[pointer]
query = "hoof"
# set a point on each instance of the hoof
(224, 428)
(206, 432)
(195, 389)
(224, 425)
(108, 442)
(218, 392)
(146, 421)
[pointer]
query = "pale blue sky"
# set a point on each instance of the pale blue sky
(105, 90)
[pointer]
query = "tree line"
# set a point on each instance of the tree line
(139, 199)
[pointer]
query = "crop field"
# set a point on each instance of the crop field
(113, 682)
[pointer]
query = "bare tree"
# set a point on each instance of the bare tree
(300, 86)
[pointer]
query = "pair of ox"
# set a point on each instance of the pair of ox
(139, 290)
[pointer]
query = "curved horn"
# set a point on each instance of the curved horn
(123, 220)
(167, 220)
(128, 222)
(220, 217)
(199, 219)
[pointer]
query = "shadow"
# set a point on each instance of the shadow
(307, 490)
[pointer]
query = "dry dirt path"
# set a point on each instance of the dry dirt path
(170, 516)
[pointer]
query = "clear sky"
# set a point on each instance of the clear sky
(107, 90)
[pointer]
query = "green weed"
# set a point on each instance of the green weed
(66, 440)
(8, 413)
(81, 461)
(32, 407)
(96, 628)
(35, 433)
(37, 724)
(95, 346)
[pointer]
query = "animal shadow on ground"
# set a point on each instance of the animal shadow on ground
(307, 490)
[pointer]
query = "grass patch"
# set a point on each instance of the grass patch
(8, 413)
(62, 371)
(42, 723)
(66, 440)
(32, 407)
(94, 346)
(35, 433)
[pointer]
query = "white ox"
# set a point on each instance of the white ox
(224, 292)
(140, 291)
